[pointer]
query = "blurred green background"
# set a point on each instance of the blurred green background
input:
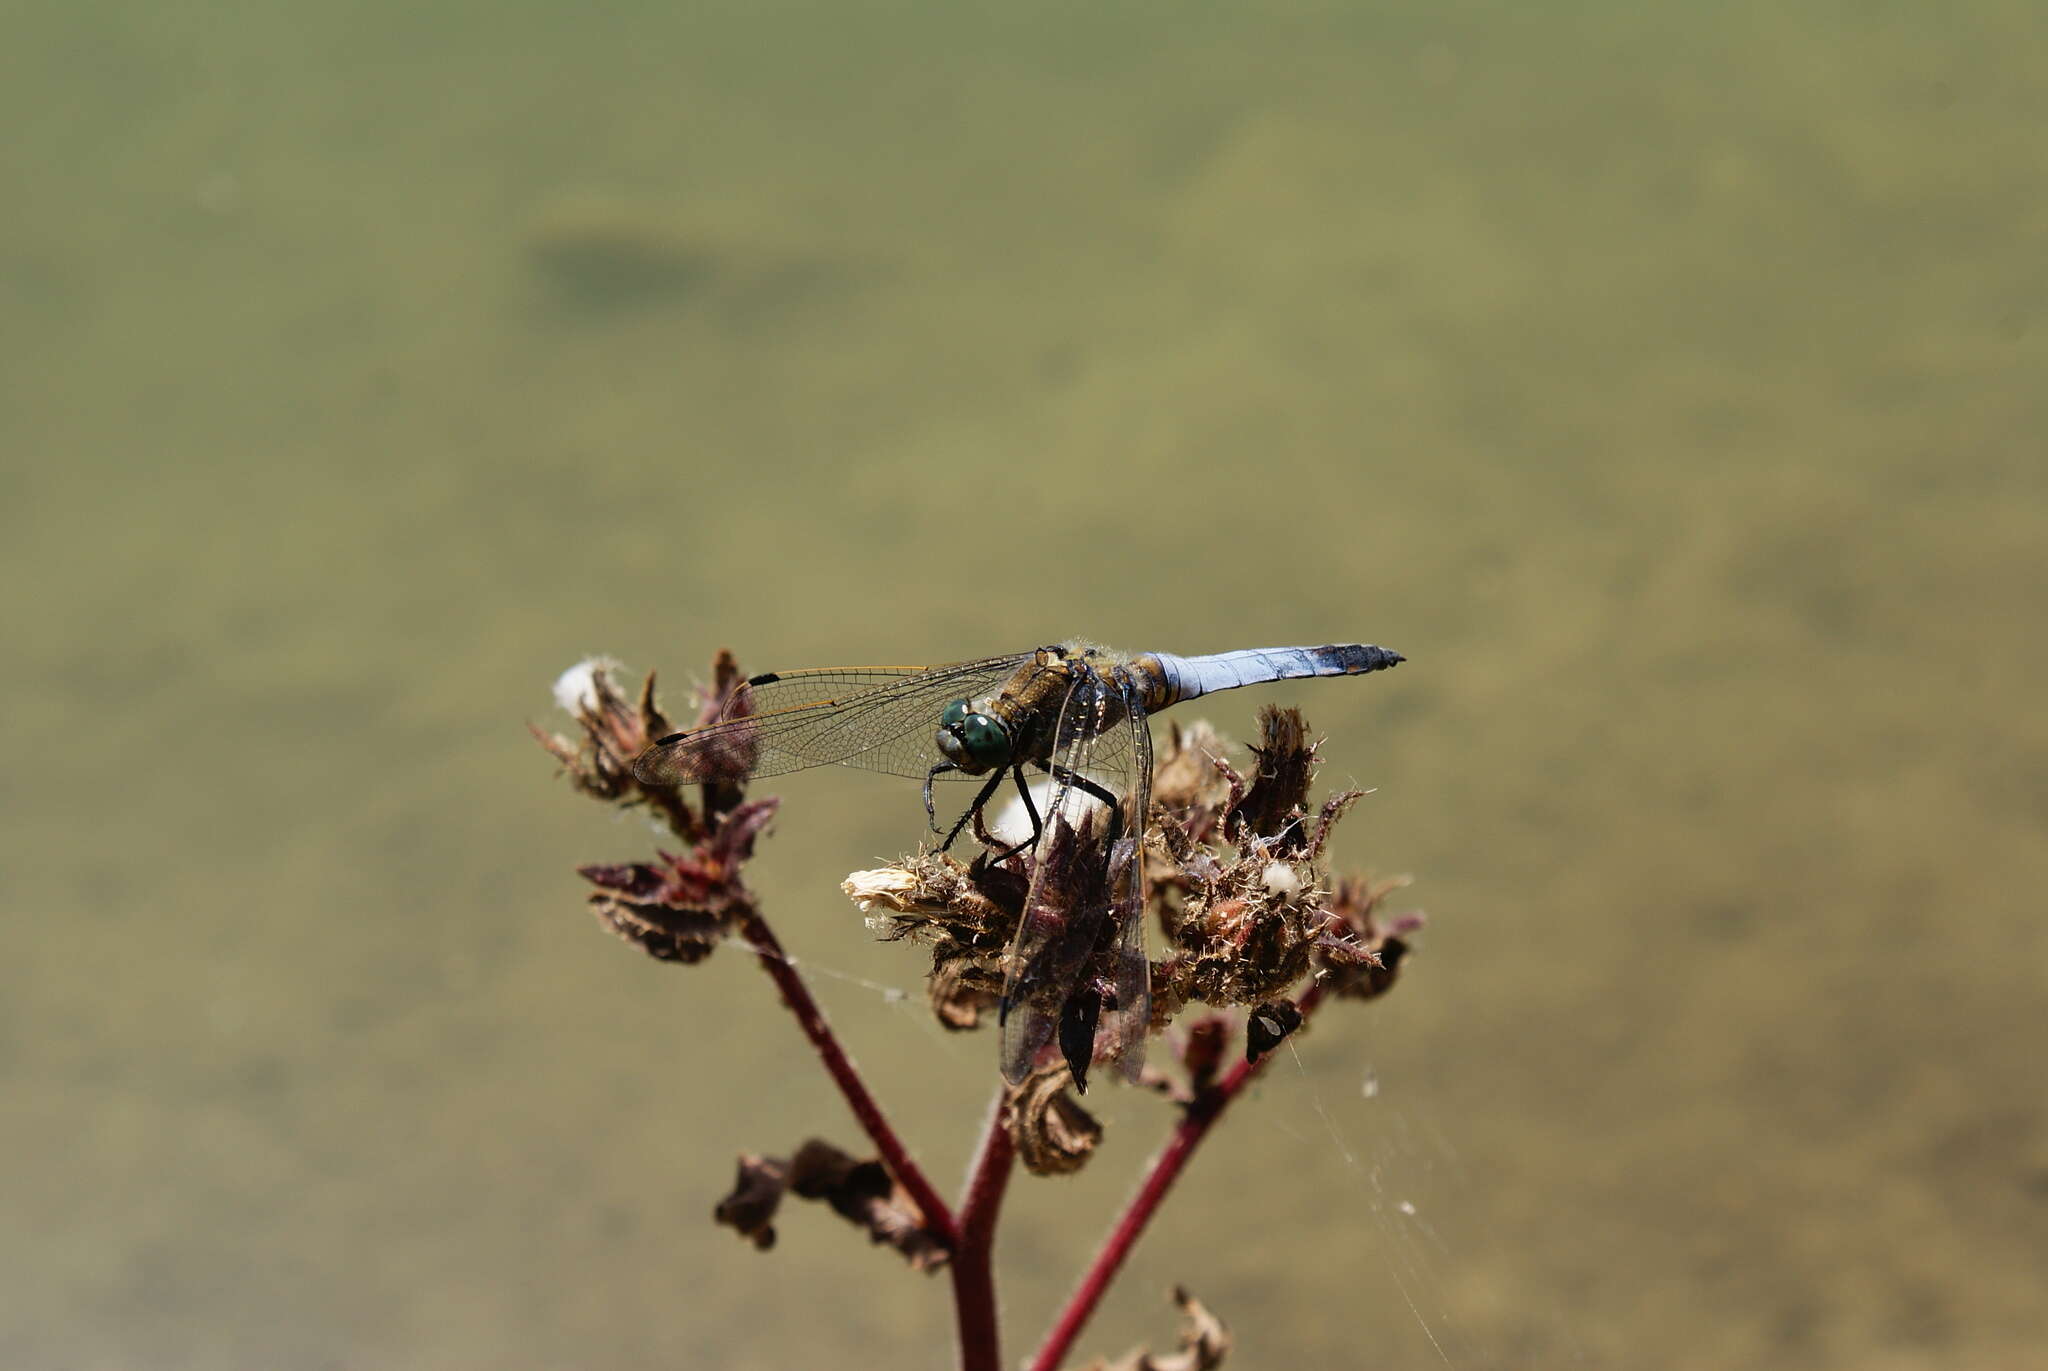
(1666, 381)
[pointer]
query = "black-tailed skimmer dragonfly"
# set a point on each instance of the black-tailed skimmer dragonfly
(1076, 972)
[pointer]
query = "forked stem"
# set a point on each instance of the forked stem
(1199, 1116)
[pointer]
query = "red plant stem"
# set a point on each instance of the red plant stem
(1200, 1115)
(974, 1277)
(768, 950)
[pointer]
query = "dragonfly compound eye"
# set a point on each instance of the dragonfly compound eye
(976, 743)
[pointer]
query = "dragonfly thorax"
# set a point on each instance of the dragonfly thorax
(974, 742)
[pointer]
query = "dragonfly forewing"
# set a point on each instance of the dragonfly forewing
(876, 718)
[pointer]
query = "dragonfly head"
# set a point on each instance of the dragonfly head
(974, 742)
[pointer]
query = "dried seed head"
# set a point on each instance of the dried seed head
(680, 908)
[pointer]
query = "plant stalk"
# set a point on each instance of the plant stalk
(767, 949)
(974, 1281)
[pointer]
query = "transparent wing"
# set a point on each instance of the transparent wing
(1126, 1020)
(1077, 969)
(881, 718)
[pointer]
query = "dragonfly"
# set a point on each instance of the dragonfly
(1075, 974)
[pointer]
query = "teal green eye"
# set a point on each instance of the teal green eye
(986, 741)
(974, 743)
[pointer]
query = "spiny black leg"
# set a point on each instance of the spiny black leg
(1024, 794)
(1089, 788)
(972, 810)
(1031, 809)
(931, 813)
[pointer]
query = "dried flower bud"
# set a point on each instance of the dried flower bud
(615, 732)
(1054, 1134)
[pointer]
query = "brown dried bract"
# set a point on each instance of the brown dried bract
(861, 1192)
(1054, 1134)
(1204, 1342)
(1272, 806)
(962, 989)
(679, 908)
(1362, 951)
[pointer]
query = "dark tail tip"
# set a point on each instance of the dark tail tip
(1379, 658)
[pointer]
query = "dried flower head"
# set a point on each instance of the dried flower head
(679, 907)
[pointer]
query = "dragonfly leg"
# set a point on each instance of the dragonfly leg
(1037, 825)
(1094, 791)
(972, 810)
(931, 813)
